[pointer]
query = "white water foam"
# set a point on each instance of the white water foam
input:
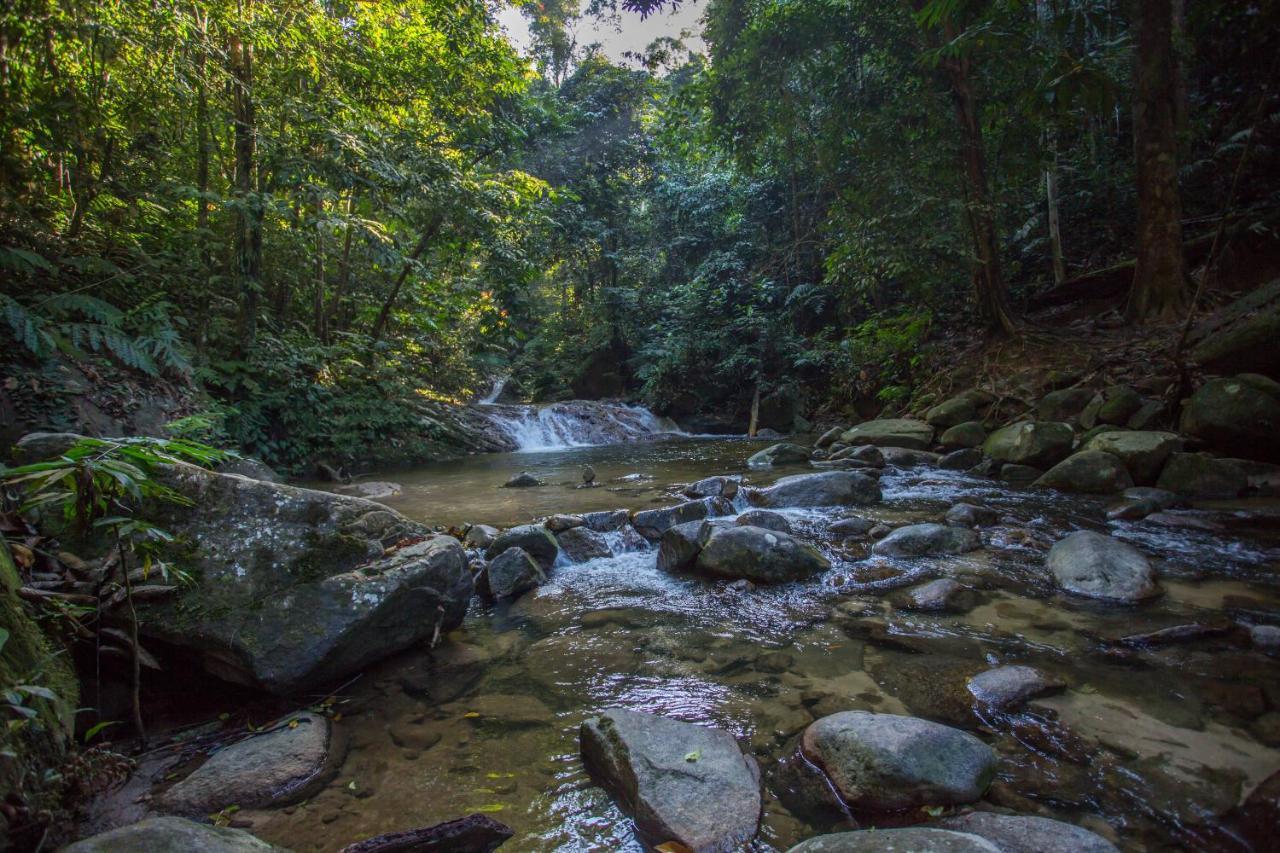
(577, 423)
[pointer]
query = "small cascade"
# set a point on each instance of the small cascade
(576, 423)
(495, 392)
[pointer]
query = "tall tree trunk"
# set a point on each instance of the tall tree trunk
(203, 149)
(1159, 278)
(317, 297)
(344, 272)
(989, 286)
(380, 324)
(248, 218)
(1051, 201)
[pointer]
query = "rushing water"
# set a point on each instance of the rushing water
(1146, 744)
(576, 423)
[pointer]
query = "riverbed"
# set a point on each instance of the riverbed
(1149, 744)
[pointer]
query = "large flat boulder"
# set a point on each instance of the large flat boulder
(758, 554)
(968, 406)
(680, 782)
(892, 432)
(887, 762)
(1029, 834)
(1097, 566)
(912, 839)
(1235, 416)
(1199, 475)
(172, 835)
(1038, 444)
(828, 488)
(1143, 452)
(295, 589)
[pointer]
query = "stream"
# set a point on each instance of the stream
(1152, 741)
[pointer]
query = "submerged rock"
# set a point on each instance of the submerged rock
(778, 454)
(891, 432)
(1097, 566)
(828, 488)
(1089, 471)
(944, 594)
(926, 540)
(1029, 834)
(534, 539)
(759, 555)
(764, 518)
(292, 761)
(1007, 687)
(172, 835)
(886, 762)
(471, 834)
(1199, 475)
(680, 782)
(914, 839)
(1033, 443)
(512, 573)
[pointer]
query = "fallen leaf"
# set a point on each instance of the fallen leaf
(673, 847)
(22, 555)
(693, 756)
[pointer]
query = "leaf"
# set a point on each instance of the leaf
(37, 690)
(22, 555)
(98, 728)
(4, 637)
(673, 847)
(693, 756)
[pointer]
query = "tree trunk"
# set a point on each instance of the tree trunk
(344, 271)
(1051, 201)
(755, 413)
(203, 149)
(1159, 279)
(380, 324)
(248, 216)
(317, 299)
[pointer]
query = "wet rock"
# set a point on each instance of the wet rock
(581, 544)
(879, 531)
(969, 406)
(172, 835)
(680, 545)
(561, 523)
(1019, 475)
(961, 460)
(1007, 687)
(1258, 816)
(778, 454)
(534, 539)
(1266, 638)
(1063, 405)
(868, 454)
(1162, 498)
(915, 839)
(652, 523)
(830, 437)
(285, 765)
(1089, 471)
(523, 480)
(1029, 834)
(851, 527)
(970, 515)
(1236, 417)
(374, 490)
(247, 466)
(713, 487)
(904, 457)
(410, 732)
(511, 574)
(679, 782)
(1143, 453)
(759, 555)
(764, 518)
(1033, 443)
(472, 834)
(776, 662)
(926, 540)
(1097, 566)
(888, 762)
(942, 595)
(1199, 475)
(606, 521)
(480, 536)
(828, 488)
(970, 434)
(891, 432)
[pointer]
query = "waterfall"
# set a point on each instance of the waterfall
(495, 392)
(576, 423)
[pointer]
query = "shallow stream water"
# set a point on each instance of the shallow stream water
(1148, 745)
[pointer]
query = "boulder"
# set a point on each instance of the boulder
(1235, 417)
(678, 549)
(914, 839)
(848, 528)
(944, 594)
(523, 480)
(967, 434)
(971, 515)
(1019, 475)
(830, 437)
(1007, 687)
(961, 460)
(512, 573)
(1097, 566)
(247, 466)
(297, 588)
(1063, 405)
(1149, 415)
(758, 555)
(172, 835)
(764, 518)
(1113, 405)
(560, 523)
(782, 453)
(294, 759)
(1199, 475)
(581, 544)
(904, 457)
(534, 539)
(969, 406)
(652, 523)
(474, 833)
(1033, 443)
(1142, 452)
(828, 488)
(891, 432)
(1242, 336)
(868, 454)
(680, 782)
(1162, 498)
(926, 540)
(887, 762)
(713, 487)
(607, 521)
(480, 536)
(1089, 471)
(1029, 834)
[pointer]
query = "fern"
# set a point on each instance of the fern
(29, 329)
